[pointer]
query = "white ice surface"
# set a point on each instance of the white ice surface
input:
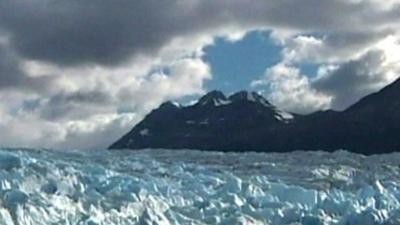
(191, 187)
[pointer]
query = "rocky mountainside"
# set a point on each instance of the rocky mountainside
(245, 121)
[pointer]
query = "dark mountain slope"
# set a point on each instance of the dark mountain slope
(246, 121)
(214, 122)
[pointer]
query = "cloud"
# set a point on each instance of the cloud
(184, 77)
(97, 131)
(291, 90)
(353, 80)
(26, 130)
(333, 48)
(93, 111)
(356, 78)
(75, 105)
(84, 32)
(10, 73)
(12, 76)
(99, 32)
(93, 132)
(103, 32)
(337, 85)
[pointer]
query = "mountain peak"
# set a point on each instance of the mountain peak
(247, 121)
(213, 97)
(169, 105)
(217, 98)
(215, 94)
(238, 96)
(249, 96)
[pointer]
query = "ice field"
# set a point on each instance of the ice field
(192, 187)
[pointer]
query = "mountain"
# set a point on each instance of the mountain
(246, 121)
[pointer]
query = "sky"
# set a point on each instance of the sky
(79, 74)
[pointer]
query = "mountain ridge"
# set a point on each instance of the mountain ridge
(246, 121)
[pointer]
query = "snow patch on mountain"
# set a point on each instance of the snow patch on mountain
(219, 102)
(144, 132)
(284, 116)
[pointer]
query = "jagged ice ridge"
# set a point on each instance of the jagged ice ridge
(193, 187)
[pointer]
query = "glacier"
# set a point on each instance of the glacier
(159, 186)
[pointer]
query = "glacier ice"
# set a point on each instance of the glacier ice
(191, 187)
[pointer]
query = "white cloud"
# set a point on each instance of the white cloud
(291, 90)
(329, 48)
(352, 80)
(339, 83)
(90, 107)
(97, 131)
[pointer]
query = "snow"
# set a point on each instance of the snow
(191, 103)
(284, 116)
(204, 122)
(219, 102)
(192, 187)
(144, 132)
(176, 104)
(250, 97)
(265, 103)
(255, 97)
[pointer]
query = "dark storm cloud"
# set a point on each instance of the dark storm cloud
(352, 80)
(75, 105)
(109, 32)
(354, 39)
(13, 77)
(10, 73)
(73, 32)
